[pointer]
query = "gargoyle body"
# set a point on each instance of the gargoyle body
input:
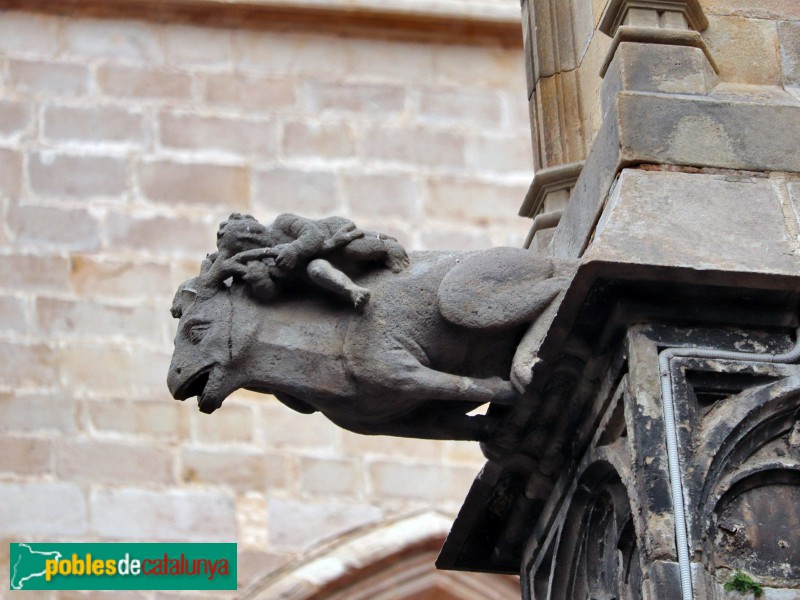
(436, 339)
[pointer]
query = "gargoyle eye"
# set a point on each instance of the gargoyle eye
(196, 332)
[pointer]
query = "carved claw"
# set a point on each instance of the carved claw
(396, 258)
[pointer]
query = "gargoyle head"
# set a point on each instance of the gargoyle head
(214, 330)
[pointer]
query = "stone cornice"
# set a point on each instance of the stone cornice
(479, 22)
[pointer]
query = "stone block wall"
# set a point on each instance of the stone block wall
(123, 143)
(755, 44)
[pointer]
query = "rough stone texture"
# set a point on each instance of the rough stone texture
(737, 133)
(566, 51)
(789, 38)
(742, 214)
(271, 306)
(685, 212)
(652, 68)
(776, 10)
(91, 252)
(745, 50)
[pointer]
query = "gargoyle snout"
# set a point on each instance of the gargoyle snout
(174, 380)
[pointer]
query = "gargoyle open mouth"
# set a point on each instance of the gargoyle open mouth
(195, 385)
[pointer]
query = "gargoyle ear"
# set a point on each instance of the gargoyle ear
(184, 297)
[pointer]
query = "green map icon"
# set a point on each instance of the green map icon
(27, 564)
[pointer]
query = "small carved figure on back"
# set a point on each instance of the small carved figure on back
(298, 250)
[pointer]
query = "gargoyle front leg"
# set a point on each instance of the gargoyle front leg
(413, 380)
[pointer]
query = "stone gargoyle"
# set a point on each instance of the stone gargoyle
(330, 318)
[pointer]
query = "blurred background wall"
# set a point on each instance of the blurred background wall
(124, 141)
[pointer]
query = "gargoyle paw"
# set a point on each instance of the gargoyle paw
(359, 296)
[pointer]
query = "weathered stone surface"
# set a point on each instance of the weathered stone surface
(789, 38)
(657, 68)
(68, 96)
(646, 220)
(402, 335)
(763, 9)
(732, 133)
(746, 50)
(724, 134)
(561, 127)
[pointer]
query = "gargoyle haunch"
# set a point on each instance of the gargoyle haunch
(330, 318)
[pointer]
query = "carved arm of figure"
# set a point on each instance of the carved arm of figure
(342, 237)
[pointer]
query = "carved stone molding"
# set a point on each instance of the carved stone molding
(548, 183)
(667, 22)
(666, 36)
(556, 36)
(664, 14)
(416, 20)
(546, 200)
